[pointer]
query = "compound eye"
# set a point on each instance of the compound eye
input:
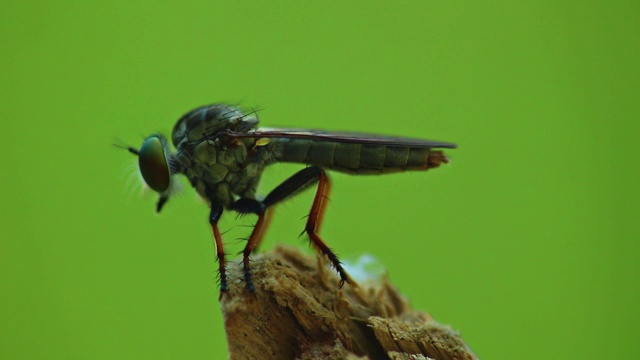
(154, 167)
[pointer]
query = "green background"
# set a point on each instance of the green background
(527, 243)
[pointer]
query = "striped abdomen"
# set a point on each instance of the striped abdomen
(357, 158)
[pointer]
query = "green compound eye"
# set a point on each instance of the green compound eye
(153, 164)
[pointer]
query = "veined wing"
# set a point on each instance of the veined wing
(342, 137)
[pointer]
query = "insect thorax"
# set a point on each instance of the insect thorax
(219, 169)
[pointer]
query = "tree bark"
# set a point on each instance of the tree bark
(298, 312)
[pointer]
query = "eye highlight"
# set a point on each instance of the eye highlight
(153, 163)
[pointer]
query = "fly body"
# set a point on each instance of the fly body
(223, 153)
(219, 166)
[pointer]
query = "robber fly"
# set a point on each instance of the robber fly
(223, 153)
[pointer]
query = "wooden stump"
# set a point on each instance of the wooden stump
(298, 312)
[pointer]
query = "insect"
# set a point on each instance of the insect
(223, 153)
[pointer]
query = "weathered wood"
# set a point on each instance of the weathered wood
(298, 312)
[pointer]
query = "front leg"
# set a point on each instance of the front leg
(214, 216)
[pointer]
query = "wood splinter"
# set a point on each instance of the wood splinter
(298, 312)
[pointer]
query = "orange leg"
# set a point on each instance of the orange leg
(292, 186)
(315, 220)
(256, 236)
(216, 212)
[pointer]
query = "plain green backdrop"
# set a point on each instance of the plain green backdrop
(527, 243)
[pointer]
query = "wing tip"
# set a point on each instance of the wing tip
(445, 145)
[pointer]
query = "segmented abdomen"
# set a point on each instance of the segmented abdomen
(357, 158)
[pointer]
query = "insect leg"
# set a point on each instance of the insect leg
(214, 216)
(293, 185)
(252, 206)
(268, 215)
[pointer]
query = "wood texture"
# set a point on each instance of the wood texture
(298, 312)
